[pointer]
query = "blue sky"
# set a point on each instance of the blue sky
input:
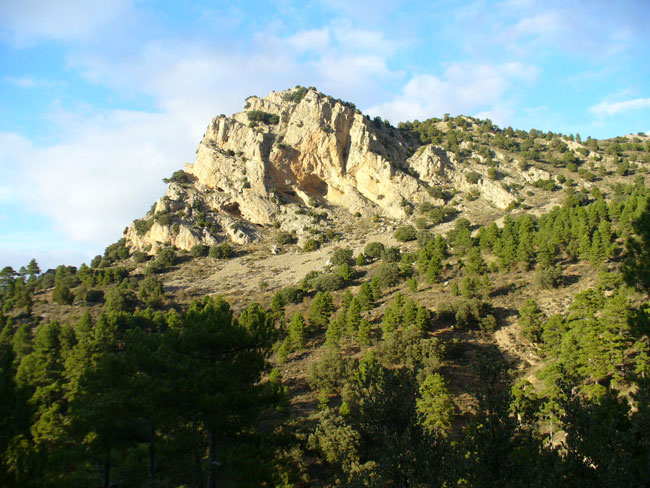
(100, 100)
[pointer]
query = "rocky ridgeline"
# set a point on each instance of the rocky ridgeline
(258, 168)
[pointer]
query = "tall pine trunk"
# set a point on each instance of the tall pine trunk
(212, 461)
(107, 472)
(152, 451)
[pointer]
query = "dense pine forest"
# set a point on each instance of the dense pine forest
(381, 369)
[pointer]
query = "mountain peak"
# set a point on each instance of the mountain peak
(261, 167)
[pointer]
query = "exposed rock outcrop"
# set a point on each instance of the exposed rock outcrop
(297, 147)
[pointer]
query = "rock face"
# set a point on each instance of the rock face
(296, 148)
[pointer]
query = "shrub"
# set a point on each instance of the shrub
(62, 295)
(94, 296)
(179, 177)
(472, 177)
(341, 256)
(142, 226)
(296, 95)
(328, 282)
(287, 295)
(151, 292)
(116, 252)
(221, 251)
(392, 254)
(154, 267)
(264, 117)
(406, 233)
(492, 173)
(550, 277)
(164, 218)
(120, 300)
(424, 237)
(329, 373)
(166, 257)
(441, 214)
(421, 223)
(140, 257)
(387, 275)
(311, 245)
(199, 250)
(435, 192)
(285, 238)
(548, 185)
(373, 250)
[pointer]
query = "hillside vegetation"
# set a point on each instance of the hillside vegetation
(451, 340)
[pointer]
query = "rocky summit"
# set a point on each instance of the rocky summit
(299, 148)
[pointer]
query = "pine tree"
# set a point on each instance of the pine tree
(597, 252)
(33, 270)
(409, 313)
(321, 309)
(435, 405)
(434, 270)
(363, 334)
(353, 317)
(366, 297)
(335, 329)
(422, 318)
(297, 332)
(475, 262)
(468, 287)
(531, 320)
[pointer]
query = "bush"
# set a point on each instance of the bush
(492, 173)
(151, 292)
(285, 238)
(287, 295)
(140, 257)
(311, 245)
(199, 250)
(341, 256)
(441, 214)
(387, 275)
(328, 282)
(424, 237)
(548, 185)
(166, 257)
(221, 251)
(472, 177)
(550, 277)
(142, 226)
(116, 251)
(94, 296)
(164, 218)
(154, 267)
(373, 250)
(435, 192)
(392, 254)
(296, 95)
(406, 233)
(264, 117)
(120, 300)
(62, 295)
(180, 177)
(329, 373)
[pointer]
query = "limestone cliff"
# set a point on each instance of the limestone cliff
(296, 148)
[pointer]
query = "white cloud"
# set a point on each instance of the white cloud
(311, 40)
(30, 82)
(27, 21)
(105, 172)
(606, 108)
(463, 88)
